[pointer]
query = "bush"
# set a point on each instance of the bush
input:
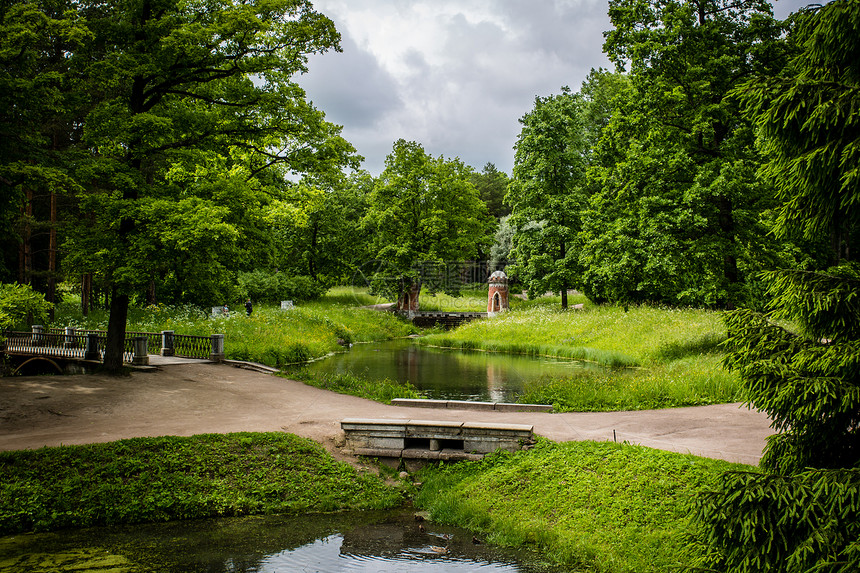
(20, 304)
(264, 286)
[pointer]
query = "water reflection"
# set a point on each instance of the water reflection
(350, 542)
(445, 374)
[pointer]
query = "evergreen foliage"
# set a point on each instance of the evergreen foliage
(802, 515)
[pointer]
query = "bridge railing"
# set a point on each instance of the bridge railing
(82, 345)
(90, 344)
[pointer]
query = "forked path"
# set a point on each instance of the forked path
(213, 398)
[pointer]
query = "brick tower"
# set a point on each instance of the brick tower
(497, 296)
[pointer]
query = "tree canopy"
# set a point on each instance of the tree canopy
(676, 212)
(163, 119)
(546, 194)
(427, 218)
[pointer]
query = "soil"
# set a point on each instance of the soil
(188, 399)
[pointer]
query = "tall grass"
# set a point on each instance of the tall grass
(608, 334)
(383, 390)
(270, 335)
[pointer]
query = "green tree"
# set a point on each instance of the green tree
(319, 231)
(425, 217)
(192, 102)
(492, 185)
(803, 512)
(677, 217)
(38, 108)
(547, 194)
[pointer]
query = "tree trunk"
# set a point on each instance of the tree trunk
(150, 292)
(562, 256)
(407, 300)
(116, 332)
(52, 257)
(25, 259)
(86, 293)
(730, 262)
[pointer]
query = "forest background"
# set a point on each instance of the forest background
(161, 151)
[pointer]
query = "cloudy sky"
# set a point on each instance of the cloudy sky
(454, 75)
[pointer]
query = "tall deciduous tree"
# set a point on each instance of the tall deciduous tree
(547, 194)
(425, 217)
(681, 204)
(803, 513)
(39, 106)
(182, 89)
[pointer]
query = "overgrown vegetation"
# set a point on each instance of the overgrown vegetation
(604, 507)
(18, 303)
(170, 478)
(802, 514)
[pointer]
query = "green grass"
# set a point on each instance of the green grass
(270, 336)
(604, 507)
(639, 337)
(171, 478)
(654, 357)
(343, 383)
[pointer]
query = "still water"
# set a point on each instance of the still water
(347, 542)
(445, 374)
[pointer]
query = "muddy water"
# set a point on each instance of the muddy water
(445, 374)
(348, 542)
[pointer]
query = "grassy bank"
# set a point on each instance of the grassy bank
(270, 336)
(655, 357)
(609, 508)
(170, 478)
(372, 389)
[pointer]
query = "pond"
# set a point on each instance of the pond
(447, 374)
(350, 542)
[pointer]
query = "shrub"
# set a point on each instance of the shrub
(20, 304)
(264, 286)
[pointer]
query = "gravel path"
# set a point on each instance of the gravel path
(190, 399)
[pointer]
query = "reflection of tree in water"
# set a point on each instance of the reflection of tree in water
(447, 374)
(370, 540)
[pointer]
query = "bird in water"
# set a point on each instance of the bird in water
(439, 550)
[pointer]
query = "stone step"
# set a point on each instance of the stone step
(469, 405)
(428, 439)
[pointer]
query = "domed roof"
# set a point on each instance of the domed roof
(498, 277)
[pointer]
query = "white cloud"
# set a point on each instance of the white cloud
(452, 75)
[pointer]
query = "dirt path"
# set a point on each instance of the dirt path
(211, 398)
